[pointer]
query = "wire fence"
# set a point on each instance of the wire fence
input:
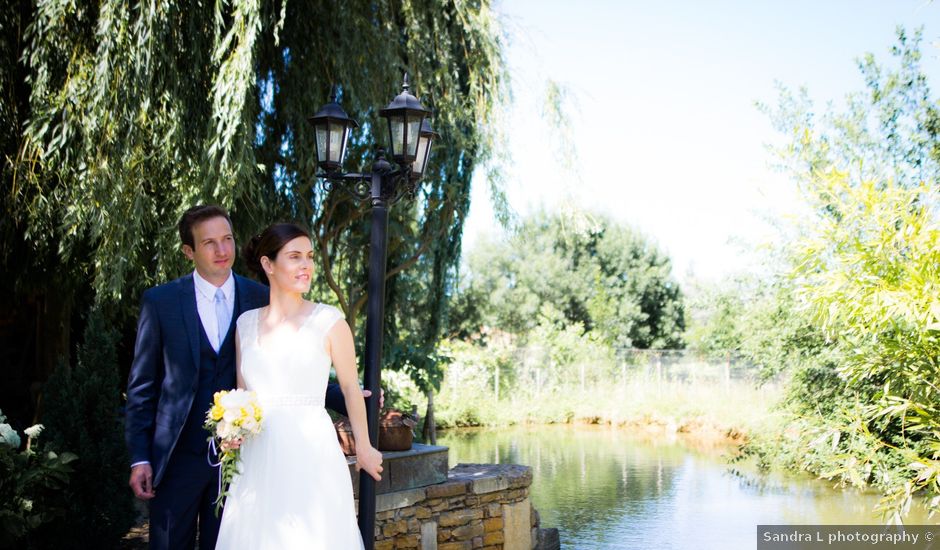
(685, 366)
(533, 371)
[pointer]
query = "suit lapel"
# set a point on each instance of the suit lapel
(190, 315)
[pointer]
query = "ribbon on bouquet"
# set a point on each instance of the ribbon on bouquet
(210, 452)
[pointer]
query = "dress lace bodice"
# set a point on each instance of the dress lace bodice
(290, 366)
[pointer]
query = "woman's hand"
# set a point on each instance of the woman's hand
(370, 460)
(227, 446)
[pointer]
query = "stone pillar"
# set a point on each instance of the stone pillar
(429, 535)
(517, 528)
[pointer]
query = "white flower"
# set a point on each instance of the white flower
(34, 431)
(225, 430)
(230, 415)
(235, 400)
(250, 424)
(9, 436)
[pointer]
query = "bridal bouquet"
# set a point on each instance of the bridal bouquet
(234, 416)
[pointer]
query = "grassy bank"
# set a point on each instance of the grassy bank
(731, 410)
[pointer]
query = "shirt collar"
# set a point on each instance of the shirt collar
(207, 289)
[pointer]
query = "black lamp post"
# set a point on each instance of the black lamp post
(410, 136)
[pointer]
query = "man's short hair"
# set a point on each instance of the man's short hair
(198, 214)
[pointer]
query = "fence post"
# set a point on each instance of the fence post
(623, 375)
(659, 372)
(496, 381)
(538, 382)
(728, 373)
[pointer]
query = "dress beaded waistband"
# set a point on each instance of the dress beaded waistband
(291, 400)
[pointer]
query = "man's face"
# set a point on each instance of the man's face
(214, 251)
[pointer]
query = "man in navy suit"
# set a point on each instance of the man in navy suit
(185, 352)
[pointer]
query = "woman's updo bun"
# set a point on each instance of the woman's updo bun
(252, 260)
(268, 244)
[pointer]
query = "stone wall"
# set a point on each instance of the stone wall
(483, 506)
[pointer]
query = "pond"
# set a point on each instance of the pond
(606, 488)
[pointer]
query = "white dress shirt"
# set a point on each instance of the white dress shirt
(205, 305)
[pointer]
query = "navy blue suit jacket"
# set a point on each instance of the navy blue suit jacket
(165, 373)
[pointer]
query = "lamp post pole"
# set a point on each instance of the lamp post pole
(410, 135)
(375, 324)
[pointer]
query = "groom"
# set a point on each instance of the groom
(185, 352)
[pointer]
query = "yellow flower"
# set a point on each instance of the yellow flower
(216, 412)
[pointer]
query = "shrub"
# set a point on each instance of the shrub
(31, 485)
(82, 412)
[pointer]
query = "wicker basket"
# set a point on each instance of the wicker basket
(395, 433)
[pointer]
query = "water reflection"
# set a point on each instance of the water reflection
(606, 488)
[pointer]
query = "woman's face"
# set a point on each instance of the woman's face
(292, 269)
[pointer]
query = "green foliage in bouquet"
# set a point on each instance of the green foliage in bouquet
(31, 484)
(82, 412)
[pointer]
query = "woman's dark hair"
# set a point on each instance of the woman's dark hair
(197, 215)
(269, 243)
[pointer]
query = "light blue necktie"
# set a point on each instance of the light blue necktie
(222, 315)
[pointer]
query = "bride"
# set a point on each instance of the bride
(294, 489)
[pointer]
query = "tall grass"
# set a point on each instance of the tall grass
(729, 407)
(574, 378)
(733, 406)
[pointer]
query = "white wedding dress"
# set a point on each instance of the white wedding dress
(294, 489)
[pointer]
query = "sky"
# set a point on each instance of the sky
(661, 100)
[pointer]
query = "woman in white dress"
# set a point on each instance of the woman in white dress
(294, 490)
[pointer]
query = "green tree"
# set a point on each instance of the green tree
(716, 327)
(604, 276)
(863, 283)
(888, 131)
(871, 278)
(81, 407)
(122, 116)
(757, 320)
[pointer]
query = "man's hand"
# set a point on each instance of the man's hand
(367, 393)
(142, 481)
